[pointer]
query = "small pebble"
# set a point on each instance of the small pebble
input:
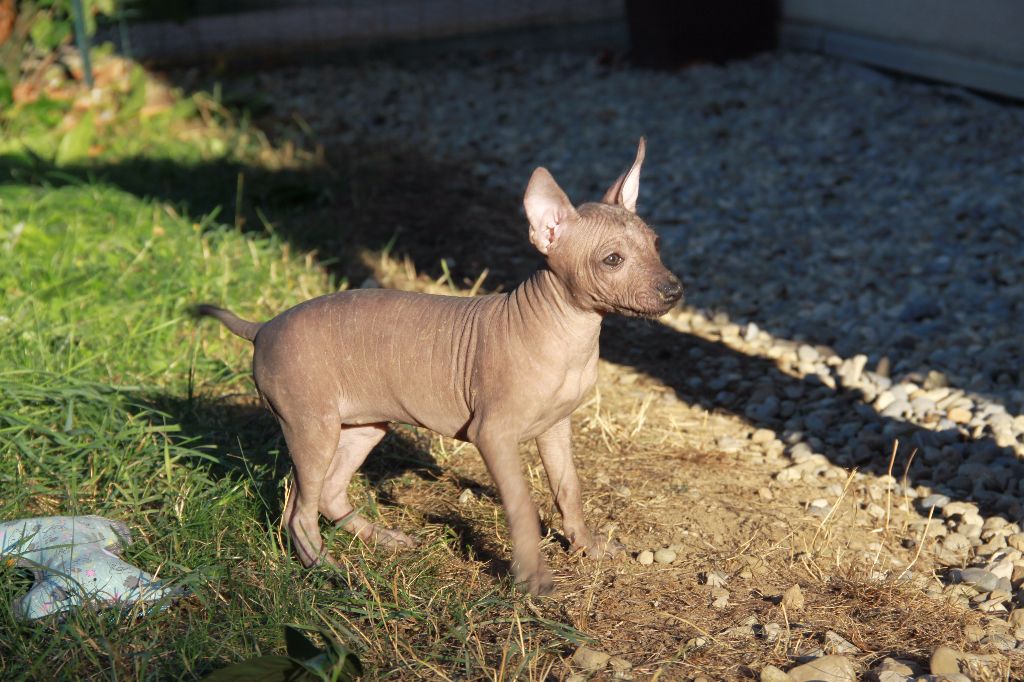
(1000, 641)
(665, 556)
(839, 644)
(986, 581)
(645, 558)
(945, 660)
(590, 659)
(890, 676)
(770, 673)
(793, 599)
(894, 666)
(696, 643)
(936, 500)
(825, 669)
(958, 415)
(715, 578)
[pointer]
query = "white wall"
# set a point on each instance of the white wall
(979, 43)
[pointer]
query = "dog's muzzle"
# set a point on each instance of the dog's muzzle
(671, 290)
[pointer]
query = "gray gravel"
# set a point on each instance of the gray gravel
(806, 200)
(861, 238)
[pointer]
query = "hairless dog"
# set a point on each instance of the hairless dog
(493, 370)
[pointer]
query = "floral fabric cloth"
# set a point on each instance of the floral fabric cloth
(75, 561)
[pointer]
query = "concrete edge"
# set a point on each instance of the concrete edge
(1006, 80)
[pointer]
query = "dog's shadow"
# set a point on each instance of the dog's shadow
(246, 443)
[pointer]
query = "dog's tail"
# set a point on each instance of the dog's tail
(247, 330)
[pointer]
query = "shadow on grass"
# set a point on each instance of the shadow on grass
(358, 201)
(355, 200)
(247, 444)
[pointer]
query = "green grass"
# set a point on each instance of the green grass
(113, 401)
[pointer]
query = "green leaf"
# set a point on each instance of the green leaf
(44, 113)
(346, 664)
(6, 92)
(305, 661)
(320, 667)
(337, 663)
(328, 666)
(102, 50)
(90, 23)
(106, 7)
(261, 669)
(48, 34)
(136, 98)
(40, 31)
(76, 142)
(298, 645)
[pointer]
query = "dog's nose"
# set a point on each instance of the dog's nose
(671, 290)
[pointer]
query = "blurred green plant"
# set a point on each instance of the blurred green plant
(48, 111)
(36, 31)
(54, 20)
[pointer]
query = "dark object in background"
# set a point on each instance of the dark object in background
(670, 33)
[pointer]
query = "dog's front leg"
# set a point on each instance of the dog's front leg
(555, 447)
(501, 455)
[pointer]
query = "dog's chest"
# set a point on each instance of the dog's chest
(577, 381)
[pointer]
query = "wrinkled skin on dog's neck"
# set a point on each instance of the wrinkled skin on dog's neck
(494, 370)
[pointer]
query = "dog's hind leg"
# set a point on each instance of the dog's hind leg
(354, 444)
(311, 444)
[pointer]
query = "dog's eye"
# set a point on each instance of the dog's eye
(612, 259)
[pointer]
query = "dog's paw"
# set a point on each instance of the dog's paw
(324, 560)
(539, 582)
(600, 547)
(531, 573)
(391, 539)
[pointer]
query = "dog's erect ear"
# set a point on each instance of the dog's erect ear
(547, 209)
(625, 190)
